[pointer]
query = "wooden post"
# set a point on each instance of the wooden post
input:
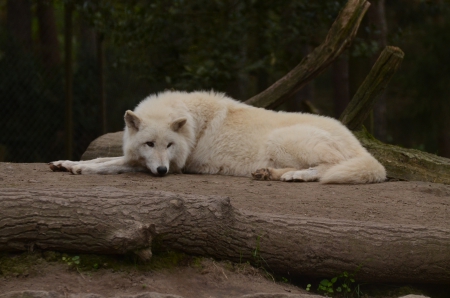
(101, 82)
(68, 66)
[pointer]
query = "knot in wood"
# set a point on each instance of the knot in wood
(176, 203)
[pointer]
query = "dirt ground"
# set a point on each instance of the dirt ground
(409, 203)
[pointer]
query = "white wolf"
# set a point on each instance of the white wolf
(209, 133)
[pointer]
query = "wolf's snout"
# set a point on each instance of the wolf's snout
(161, 170)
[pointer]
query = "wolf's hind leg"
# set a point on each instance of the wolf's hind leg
(270, 173)
(306, 175)
(291, 174)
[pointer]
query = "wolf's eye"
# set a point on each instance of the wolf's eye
(170, 144)
(150, 144)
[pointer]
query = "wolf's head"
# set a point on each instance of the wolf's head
(159, 142)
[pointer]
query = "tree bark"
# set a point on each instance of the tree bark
(110, 220)
(338, 39)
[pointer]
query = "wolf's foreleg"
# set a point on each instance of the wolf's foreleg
(66, 165)
(106, 165)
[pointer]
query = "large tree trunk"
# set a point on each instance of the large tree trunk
(110, 220)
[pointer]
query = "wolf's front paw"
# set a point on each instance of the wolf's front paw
(262, 174)
(288, 177)
(60, 165)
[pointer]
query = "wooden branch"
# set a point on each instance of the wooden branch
(338, 39)
(375, 83)
(111, 220)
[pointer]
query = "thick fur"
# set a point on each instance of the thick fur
(209, 133)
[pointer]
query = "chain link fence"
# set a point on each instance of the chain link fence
(32, 95)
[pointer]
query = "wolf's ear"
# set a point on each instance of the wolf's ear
(177, 124)
(132, 120)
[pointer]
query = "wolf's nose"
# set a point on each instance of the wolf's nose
(161, 170)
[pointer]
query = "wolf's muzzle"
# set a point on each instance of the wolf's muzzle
(161, 170)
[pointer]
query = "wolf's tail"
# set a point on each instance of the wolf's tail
(361, 169)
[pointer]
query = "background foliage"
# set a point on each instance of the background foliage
(235, 46)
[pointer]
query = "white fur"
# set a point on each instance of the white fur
(210, 133)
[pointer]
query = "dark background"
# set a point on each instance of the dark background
(124, 50)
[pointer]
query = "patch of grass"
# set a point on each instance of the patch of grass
(22, 264)
(168, 260)
(14, 265)
(343, 284)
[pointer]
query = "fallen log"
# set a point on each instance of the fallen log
(111, 221)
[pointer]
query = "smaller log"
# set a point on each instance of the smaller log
(107, 145)
(339, 37)
(375, 83)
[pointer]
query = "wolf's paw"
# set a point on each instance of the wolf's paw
(61, 165)
(76, 170)
(262, 174)
(300, 176)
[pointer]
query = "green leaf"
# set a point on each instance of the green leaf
(334, 279)
(325, 282)
(339, 289)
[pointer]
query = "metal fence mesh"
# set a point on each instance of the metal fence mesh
(32, 100)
